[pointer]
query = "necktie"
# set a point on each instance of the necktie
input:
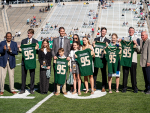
(61, 42)
(130, 38)
(101, 39)
(29, 41)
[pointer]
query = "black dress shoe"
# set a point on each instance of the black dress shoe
(45, 93)
(148, 92)
(31, 92)
(21, 92)
(123, 91)
(136, 91)
(144, 91)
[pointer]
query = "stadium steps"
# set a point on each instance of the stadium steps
(18, 16)
(2, 28)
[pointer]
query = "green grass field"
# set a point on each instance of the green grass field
(115, 102)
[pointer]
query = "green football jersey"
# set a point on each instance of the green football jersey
(127, 52)
(99, 54)
(61, 68)
(29, 55)
(84, 59)
(112, 57)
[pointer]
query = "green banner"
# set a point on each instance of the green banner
(51, 43)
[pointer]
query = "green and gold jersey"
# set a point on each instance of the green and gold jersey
(99, 54)
(127, 52)
(112, 57)
(84, 59)
(29, 55)
(61, 68)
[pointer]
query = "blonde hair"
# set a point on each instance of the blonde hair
(88, 41)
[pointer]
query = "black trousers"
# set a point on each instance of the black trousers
(104, 74)
(133, 76)
(55, 84)
(24, 75)
(146, 72)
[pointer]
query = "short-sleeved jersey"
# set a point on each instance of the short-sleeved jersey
(29, 55)
(84, 59)
(112, 57)
(61, 68)
(127, 52)
(99, 54)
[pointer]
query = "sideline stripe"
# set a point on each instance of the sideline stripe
(40, 103)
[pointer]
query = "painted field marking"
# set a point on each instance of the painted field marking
(20, 96)
(96, 94)
(40, 103)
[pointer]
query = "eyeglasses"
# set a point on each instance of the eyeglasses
(75, 38)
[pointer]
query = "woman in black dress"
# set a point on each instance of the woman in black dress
(45, 57)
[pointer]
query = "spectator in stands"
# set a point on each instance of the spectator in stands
(19, 33)
(40, 19)
(16, 34)
(93, 30)
(28, 21)
(48, 7)
(43, 10)
(42, 38)
(88, 35)
(36, 26)
(55, 26)
(40, 10)
(63, 3)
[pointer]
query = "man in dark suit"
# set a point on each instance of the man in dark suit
(60, 42)
(29, 40)
(8, 50)
(102, 38)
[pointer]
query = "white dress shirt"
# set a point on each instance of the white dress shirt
(30, 40)
(102, 39)
(45, 51)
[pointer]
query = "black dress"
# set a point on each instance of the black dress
(44, 81)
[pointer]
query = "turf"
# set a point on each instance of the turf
(115, 102)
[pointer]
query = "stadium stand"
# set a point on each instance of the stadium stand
(1, 26)
(18, 16)
(117, 19)
(79, 18)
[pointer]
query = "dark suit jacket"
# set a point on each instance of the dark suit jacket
(56, 47)
(5, 54)
(25, 41)
(47, 57)
(105, 40)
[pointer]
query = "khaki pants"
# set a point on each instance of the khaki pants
(63, 88)
(11, 77)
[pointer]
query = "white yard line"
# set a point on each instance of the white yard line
(40, 103)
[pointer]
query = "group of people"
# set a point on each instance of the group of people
(83, 60)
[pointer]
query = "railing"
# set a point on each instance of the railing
(26, 2)
(5, 19)
(147, 19)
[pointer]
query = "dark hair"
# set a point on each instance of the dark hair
(131, 28)
(78, 38)
(75, 42)
(103, 28)
(42, 47)
(8, 33)
(61, 28)
(31, 31)
(114, 34)
(61, 49)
